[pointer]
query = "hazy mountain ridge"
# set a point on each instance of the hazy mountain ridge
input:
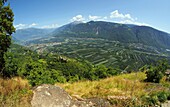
(31, 33)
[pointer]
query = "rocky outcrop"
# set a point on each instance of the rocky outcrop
(54, 96)
(50, 96)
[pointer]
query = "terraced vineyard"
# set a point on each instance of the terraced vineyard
(109, 53)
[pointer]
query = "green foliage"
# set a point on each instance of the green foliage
(10, 65)
(56, 75)
(51, 68)
(151, 100)
(6, 29)
(155, 73)
(163, 96)
(37, 74)
(155, 98)
(102, 71)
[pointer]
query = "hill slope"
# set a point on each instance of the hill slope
(116, 32)
(122, 90)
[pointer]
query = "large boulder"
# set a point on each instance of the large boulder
(50, 96)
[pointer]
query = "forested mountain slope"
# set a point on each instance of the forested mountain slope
(116, 32)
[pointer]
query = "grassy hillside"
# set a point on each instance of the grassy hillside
(123, 90)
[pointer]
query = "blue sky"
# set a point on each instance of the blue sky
(55, 13)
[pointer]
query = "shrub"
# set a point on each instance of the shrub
(153, 99)
(162, 96)
(156, 73)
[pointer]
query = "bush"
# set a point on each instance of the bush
(56, 75)
(156, 73)
(153, 100)
(162, 96)
(10, 65)
(38, 74)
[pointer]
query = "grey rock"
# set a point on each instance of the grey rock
(166, 104)
(50, 96)
(79, 104)
(98, 102)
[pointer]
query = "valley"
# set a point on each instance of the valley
(122, 46)
(126, 56)
(123, 64)
(84, 53)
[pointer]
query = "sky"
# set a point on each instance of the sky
(55, 13)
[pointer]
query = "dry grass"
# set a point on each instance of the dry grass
(15, 92)
(122, 90)
(122, 85)
(7, 86)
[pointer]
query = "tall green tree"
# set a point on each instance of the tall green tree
(6, 30)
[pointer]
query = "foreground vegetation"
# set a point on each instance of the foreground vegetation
(51, 68)
(15, 92)
(124, 90)
(79, 77)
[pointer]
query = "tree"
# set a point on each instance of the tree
(6, 30)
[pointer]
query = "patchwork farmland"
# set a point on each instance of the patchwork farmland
(108, 53)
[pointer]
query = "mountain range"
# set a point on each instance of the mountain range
(124, 33)
(116, 32)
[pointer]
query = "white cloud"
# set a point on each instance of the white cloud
(133, 22)
(23, 26)
(78, 18)
(98, 18)
(50, 26)
(20, 26)
(116, 14)
(105, 18)
(94, 17)
(125, 19)
(33, 24)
